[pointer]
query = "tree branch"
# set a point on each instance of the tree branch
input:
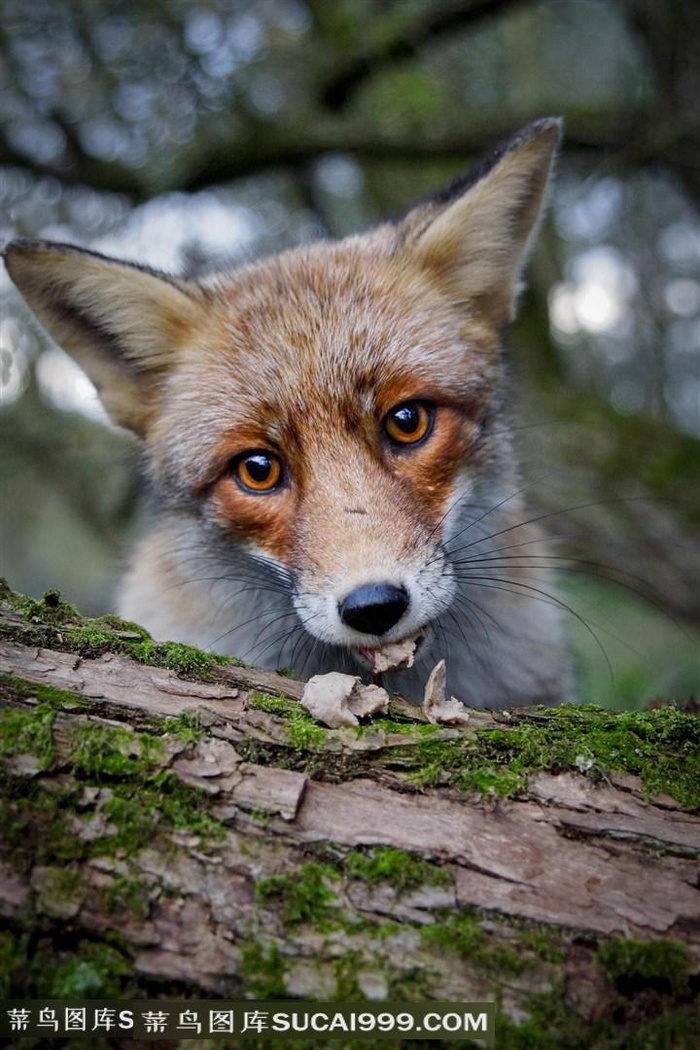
(293, 142)
(80, 169)
(413, 32)
(670, 35)
(206, 831)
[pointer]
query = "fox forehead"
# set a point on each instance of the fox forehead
(320, 333)
(308, 312)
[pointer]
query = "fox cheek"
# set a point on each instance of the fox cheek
(436, 473)
(266, 522)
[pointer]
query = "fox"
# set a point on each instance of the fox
(328, 438)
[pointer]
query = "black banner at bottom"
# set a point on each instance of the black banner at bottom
(204, 1018)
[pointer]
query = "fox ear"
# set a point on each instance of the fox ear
(474, 236)
(121, 323)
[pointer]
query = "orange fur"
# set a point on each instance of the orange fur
(302, 356)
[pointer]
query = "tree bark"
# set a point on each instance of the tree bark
(202, 835)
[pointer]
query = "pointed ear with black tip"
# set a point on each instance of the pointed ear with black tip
(475, 235)
(122, 324)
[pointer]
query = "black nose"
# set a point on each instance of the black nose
(374, 608)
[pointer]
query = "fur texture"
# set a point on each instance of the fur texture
(305, 362)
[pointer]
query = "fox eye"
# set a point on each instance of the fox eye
(257, 471)
(410, 422)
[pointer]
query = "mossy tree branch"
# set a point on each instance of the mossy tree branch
(182, 822)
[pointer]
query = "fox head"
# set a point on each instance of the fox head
(331, 410)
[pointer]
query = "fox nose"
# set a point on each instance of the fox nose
(374, 607)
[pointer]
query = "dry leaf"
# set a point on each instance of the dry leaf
(436, 708)
(340, 699)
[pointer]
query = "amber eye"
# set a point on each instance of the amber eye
(410, 422)
(257, 471)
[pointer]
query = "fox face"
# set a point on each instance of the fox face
(335, 449)
(322, 429)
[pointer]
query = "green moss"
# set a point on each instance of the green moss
(302, 732)
(402, 870)
(305, 735)
(652, 1006)
(91, 640)
(665, 963)
(126, 895)
(143, 797)
(38, 825)
(183, 807)
(94, 970)
(30, 730)
(553, 1025)
(101, 752)
(131, 822)
(262, 971)
(140, 809)
(260, 816)
(661, 746)
(48, 698)
(410, 730)
(50, 608)
(186, 727)
(459, 763)
(60, 892)
(177, 657)
(345, 971)
(412, 986)
(544, 942)
(34, 824)
(274, 705)
(41, 968)
(302, 897)
(14, 952)
(93, 637)
(460, 933)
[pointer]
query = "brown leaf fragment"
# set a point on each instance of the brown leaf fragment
(340, 699)
(395, 655)
(326, 697)
(367, 700)
(436, 707)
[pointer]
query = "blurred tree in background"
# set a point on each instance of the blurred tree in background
(191, 135)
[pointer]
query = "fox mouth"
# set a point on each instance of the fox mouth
(393, 656)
